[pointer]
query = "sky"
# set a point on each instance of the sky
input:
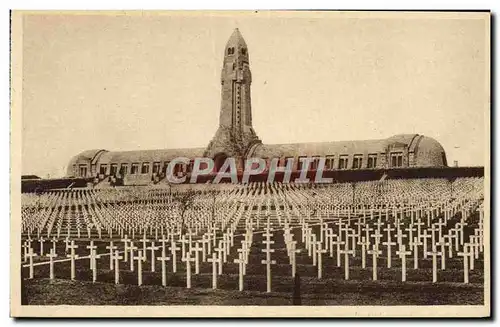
(149, 81)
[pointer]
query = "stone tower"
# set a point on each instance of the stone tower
(235, 134)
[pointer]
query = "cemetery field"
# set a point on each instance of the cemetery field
(60, 291)
(404, 242)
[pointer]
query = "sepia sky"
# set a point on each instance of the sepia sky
(130, 82)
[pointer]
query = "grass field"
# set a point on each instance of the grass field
(335, 292)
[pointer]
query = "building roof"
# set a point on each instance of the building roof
(149, 155)
(430, 153)
(318, 149)
(236, 40)
(91, 155)
(428, 150)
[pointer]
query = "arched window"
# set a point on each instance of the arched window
(230, 51)
(243, 51)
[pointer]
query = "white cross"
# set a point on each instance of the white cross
(214, 260)
(183, 242)
(449, 244)
(314, 248)
(197, 250)
(54, 243)
(379, 224)
(163, 258)
(346, 261)
(132, 248)
(173, 250)
(364, 245)
(268, 262)
(293, 253)
(433, 230)
(41, 240)
(163, 241)
(25, 247)
(442, 244)
(319, 252)
(140, 258)
(460, 226)
(241, 262)
(367, 230)
(117, 257)
(474, 240)
(92, 249)
(205, 243)
(389, 244)
(188, 261)
(416, 242)
(338, 242)
(402, 254)
(111, 249)
(440, 225)
(419, 225)
(375, 252)
(73, 256)
(377, 236)
(125, 241)
(93, 264)
(144, 240)
(244, 253)
(220, 251)
(434, 253)
(424, 237)
(152, 248)
(466, 254)
(479, 233)
(51, 256)
(410, 231)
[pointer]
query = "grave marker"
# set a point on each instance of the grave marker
(188, 261)
(117, 257)
(214, 260)
(51, 256)
(375, 252)
(163, 258)
(434, 253)
(241, 262)
(346, 261)
(402, 254)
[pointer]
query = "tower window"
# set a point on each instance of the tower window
(329, 163)
(114, 169)
(315, 163)
(243, 51)
(83, 170)
(372, 161)
(145, 168)
(103, 169)
(343, 162)
(135, 168)
(156, 167)
(230, 51)
(397, 159)
(357, 161)
(124, 169)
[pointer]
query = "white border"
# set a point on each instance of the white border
(145, 4)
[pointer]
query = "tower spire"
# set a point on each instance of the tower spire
(235, 134)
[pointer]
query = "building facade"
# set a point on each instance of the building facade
(236, 138)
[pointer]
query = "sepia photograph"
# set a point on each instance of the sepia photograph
(250, 164)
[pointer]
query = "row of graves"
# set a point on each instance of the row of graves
(259, 237)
